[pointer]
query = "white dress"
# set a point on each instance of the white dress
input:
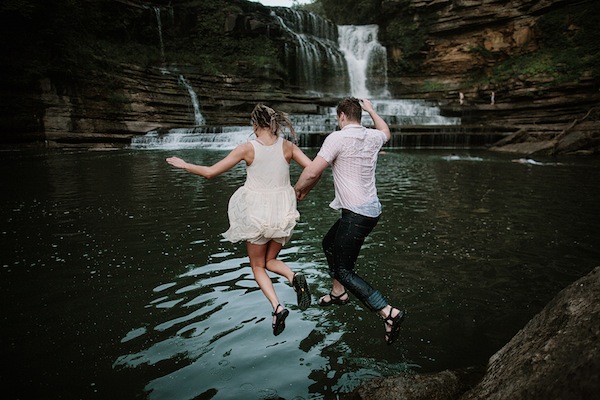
(265, 207)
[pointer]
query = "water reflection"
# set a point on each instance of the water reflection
(215, 332)
(115, 281)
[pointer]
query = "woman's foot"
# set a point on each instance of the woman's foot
(302, 292)
(331, 298)
(392, 325)
(279, 319)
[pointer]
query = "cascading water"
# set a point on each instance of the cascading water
(366, 59)
(198, 118)
(313, 60)
(160, 34)
(225, 138)
(322, 59)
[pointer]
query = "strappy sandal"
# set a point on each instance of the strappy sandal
(394, 324)
(302, 292)
(334, 300)
(279, 324)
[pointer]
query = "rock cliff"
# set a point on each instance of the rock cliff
(463, 44)
(468, 45)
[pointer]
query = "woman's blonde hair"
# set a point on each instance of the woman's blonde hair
(265, 117)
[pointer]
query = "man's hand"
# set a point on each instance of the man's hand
(366, 105)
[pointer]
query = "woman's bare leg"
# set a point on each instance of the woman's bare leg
(257, 254)
(277, 266)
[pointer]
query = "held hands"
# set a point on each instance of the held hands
(177, 162)
(300, 195)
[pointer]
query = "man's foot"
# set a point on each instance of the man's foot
(279, 319)
(302, 292)
(331, 298)
(392, 325)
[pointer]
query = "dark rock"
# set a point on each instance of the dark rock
(555, 356)
(445, 385)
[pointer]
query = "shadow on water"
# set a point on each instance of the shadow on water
(116, 281)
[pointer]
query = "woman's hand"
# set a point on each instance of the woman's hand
(177, 162)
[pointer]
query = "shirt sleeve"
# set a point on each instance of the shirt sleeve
(329, 149)
(384, 138)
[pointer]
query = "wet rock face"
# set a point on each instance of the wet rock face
(555, 356)
(137, 99)
(468, 38)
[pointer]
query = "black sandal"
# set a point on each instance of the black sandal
(334, 300)
(279, 324)
(302, 292)
(394, 324)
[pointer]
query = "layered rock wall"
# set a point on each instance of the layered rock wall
(464, 39)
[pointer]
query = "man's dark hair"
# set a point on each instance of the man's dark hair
(351, 107)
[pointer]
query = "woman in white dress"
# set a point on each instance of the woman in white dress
(263, 211)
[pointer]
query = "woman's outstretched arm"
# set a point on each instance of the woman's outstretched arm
(242, 152)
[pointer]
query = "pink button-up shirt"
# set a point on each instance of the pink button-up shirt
(352, 154)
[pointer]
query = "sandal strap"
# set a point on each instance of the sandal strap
(276, 308)
(389, 320)
(333, 296)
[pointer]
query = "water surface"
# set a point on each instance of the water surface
(115, 280)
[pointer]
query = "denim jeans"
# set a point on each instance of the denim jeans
(341, 245)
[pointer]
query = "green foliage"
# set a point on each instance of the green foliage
(535, 64)
(570, 47)
(430, 86)
(74, 38)
(483, 53)
(571, 42)
(315, 7)
(409, 36)
(356, 12)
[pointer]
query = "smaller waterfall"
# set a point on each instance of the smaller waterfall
(366, 58)
(225, 138)
(160, 35)
(198, 118)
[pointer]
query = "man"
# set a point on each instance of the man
(352, 154)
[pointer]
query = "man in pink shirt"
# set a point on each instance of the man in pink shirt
(352, 154)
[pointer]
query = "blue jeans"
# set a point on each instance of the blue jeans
(341, 245)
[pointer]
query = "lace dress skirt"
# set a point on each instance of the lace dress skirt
(261, 216)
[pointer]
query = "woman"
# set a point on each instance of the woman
(263, 211)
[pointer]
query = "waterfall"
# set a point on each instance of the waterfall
(225, 138)
(321, 58)
(339, 60)
(160, 35)
(366, 58)
(198, 118)
(313, 59)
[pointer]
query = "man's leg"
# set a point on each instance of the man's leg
(350, 236)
